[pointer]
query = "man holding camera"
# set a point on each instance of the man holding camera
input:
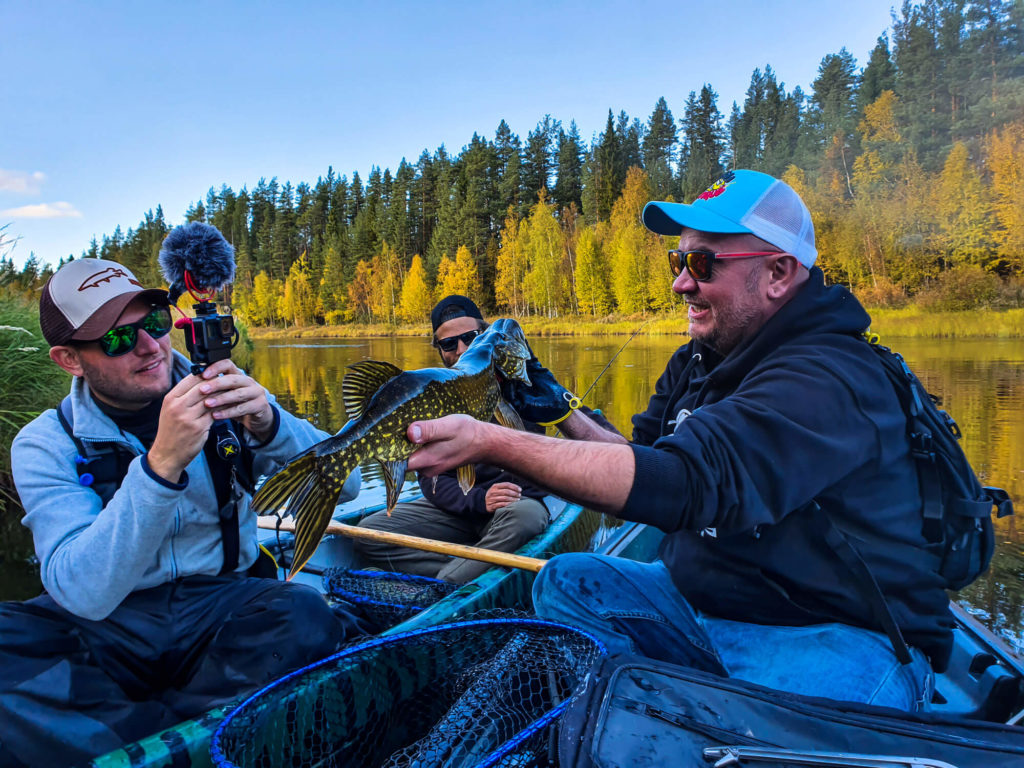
(151, 614)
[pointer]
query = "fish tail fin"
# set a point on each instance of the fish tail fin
(313, 506)
(311, 500)
(283, 484)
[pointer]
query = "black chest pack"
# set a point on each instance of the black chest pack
(102, 467)
(956, 508)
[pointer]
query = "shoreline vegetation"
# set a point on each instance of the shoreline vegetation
(904, 322)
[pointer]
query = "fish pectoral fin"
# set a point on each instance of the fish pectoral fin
(507, 415)
(394, 479)
(361, 383)
(467, 477)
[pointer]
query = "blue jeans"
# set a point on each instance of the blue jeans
(635, 608)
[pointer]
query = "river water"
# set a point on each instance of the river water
(981, 383)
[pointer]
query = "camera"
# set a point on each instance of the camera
(210, 336)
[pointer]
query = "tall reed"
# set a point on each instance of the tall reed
(29, 381)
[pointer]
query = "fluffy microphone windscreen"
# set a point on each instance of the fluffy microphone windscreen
(202, 250)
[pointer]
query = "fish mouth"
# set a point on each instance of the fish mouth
(511, 353)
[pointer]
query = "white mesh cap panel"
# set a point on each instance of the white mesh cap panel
(781, 218)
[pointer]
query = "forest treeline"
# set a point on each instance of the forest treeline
(912, 166)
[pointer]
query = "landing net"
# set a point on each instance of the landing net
(477, 693)
(385, 598)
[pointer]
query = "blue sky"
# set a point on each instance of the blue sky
(110, 108)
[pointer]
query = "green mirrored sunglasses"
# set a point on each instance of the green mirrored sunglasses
(122, 339)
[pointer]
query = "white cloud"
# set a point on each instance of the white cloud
(22, 182)
(43, 211)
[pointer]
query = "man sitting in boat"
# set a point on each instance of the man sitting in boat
(774, 422)
(502, 511)
(150, 615)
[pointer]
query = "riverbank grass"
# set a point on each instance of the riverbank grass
(906, 322)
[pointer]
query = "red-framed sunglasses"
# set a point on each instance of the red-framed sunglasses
(698, 262)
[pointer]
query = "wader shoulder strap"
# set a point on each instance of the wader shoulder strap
(100, 466)
(228, 468)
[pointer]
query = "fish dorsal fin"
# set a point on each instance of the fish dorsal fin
(362, 382)
(467, 477)
(507, 415)
(394, 479)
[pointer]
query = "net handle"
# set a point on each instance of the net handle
(520, 562)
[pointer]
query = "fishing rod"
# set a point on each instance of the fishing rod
(609, 363)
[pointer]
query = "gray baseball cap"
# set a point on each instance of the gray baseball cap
(84, 298)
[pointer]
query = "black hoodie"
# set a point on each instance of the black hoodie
(731, 452)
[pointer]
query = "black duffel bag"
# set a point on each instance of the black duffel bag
(638, 712)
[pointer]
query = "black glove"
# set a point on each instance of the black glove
(545, 401)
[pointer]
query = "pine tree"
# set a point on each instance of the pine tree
(658, 149)
(537, 165)
(475, 193)
(508, 163)
(703, 142)
(631, 136)
(569, 184)
(607, 174)
(879, 75)
(834, 113)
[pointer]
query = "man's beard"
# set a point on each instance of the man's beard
(731, 322)
(119, 392)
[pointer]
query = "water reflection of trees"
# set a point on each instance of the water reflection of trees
(981, 384)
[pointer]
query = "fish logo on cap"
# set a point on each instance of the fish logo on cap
(718, 187)
(106, 275)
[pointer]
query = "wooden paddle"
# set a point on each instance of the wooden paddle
(416, 542)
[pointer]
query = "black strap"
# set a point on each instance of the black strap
(101, 466)
(66, 417)
(223, 472)
(869, 588)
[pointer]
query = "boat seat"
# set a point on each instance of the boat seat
(976, 684)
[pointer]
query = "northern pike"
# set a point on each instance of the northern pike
(381, 402)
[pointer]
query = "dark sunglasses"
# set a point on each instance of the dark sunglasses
(122, 339)
(451, 343)
(698, 262)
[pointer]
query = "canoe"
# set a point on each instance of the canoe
(984, 680)
(572, 529)
(461, 694)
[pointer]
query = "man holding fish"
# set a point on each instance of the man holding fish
(150, 616)
(774, 420)
(501, 512)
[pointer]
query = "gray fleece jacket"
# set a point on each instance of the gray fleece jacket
(90, 556)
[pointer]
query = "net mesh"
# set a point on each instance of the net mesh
(477, 693)
(383, 597)
(782, 219)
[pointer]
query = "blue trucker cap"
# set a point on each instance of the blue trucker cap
(742, 202)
